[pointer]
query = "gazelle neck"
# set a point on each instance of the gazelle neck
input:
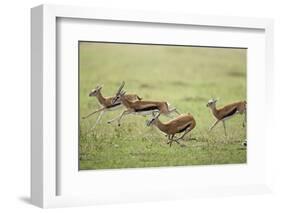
(214, 110)
(125, 102)
(100, 98)
(160, 125)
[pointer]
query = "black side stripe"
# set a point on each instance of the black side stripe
(146, 109)
(113, 105)
(232, 112)
(182, 130)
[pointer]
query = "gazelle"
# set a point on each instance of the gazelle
(139, 107)
(183, 123)
(106, 103)
(227, 112)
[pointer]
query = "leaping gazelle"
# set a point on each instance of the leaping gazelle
(140, 107)
(227, 112)
(181, 124)
(106, 103)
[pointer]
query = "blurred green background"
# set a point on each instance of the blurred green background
(186, 77)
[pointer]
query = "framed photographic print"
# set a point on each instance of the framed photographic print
(130, 106)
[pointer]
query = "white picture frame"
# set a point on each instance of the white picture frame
(44, 154)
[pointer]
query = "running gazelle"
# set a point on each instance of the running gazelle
(182, 124)
(139, 107)
(106, 103)
(226, 112)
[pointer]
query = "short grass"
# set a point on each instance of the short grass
(186, 77)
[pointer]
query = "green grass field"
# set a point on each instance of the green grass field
(186, 77)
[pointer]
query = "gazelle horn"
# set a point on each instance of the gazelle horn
(120, 88)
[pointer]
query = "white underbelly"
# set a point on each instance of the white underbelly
(114, 108)
(146, 112)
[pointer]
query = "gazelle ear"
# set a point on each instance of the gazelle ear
(213, 100)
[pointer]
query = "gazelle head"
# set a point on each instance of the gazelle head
(119, 94)
(153, 119)
(211, 102)
(95, 91)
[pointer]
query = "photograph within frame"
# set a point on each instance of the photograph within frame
(201, 84)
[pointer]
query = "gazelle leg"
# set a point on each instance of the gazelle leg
(224, 127)
(174, 110)
(170, 111)
(101, 109)
(110, 121)
(118, 117)
(174, 140)
(215, 123)
(171, 140)
(126, 112)
(168, 138)
(177, 112)
(186, 131)
(177, 141)
(98, 119)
